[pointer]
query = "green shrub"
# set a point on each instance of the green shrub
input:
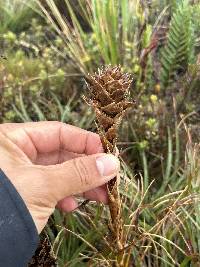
(32, 73)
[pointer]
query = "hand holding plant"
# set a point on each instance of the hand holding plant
(49, 167)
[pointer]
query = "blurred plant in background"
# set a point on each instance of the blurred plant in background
(50, 47)
(13, 12)
(33, 72)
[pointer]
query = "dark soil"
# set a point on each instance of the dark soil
(43, 256)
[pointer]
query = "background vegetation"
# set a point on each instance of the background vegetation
(48, 47)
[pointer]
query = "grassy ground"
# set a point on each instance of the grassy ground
(158, 43)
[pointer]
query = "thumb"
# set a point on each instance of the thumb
(82, 174)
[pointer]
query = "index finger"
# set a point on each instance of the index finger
(50, 136)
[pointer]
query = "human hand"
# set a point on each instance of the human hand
(51, 162)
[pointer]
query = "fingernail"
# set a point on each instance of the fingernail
(107, 165)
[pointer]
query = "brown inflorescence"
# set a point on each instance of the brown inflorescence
(109, 93)
(109, 96)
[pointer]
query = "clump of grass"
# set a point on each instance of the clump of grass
(13, 12)
(112, 26)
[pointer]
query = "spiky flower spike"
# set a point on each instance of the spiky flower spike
(109, 93)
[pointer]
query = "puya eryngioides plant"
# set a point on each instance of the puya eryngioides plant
(109, 97)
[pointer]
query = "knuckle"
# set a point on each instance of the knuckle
(58, 124)
(82, 171)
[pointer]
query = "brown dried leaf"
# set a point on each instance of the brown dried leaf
(105, 121)
(111, 134)
(116, 108)
(118, 95)
(103, 97)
